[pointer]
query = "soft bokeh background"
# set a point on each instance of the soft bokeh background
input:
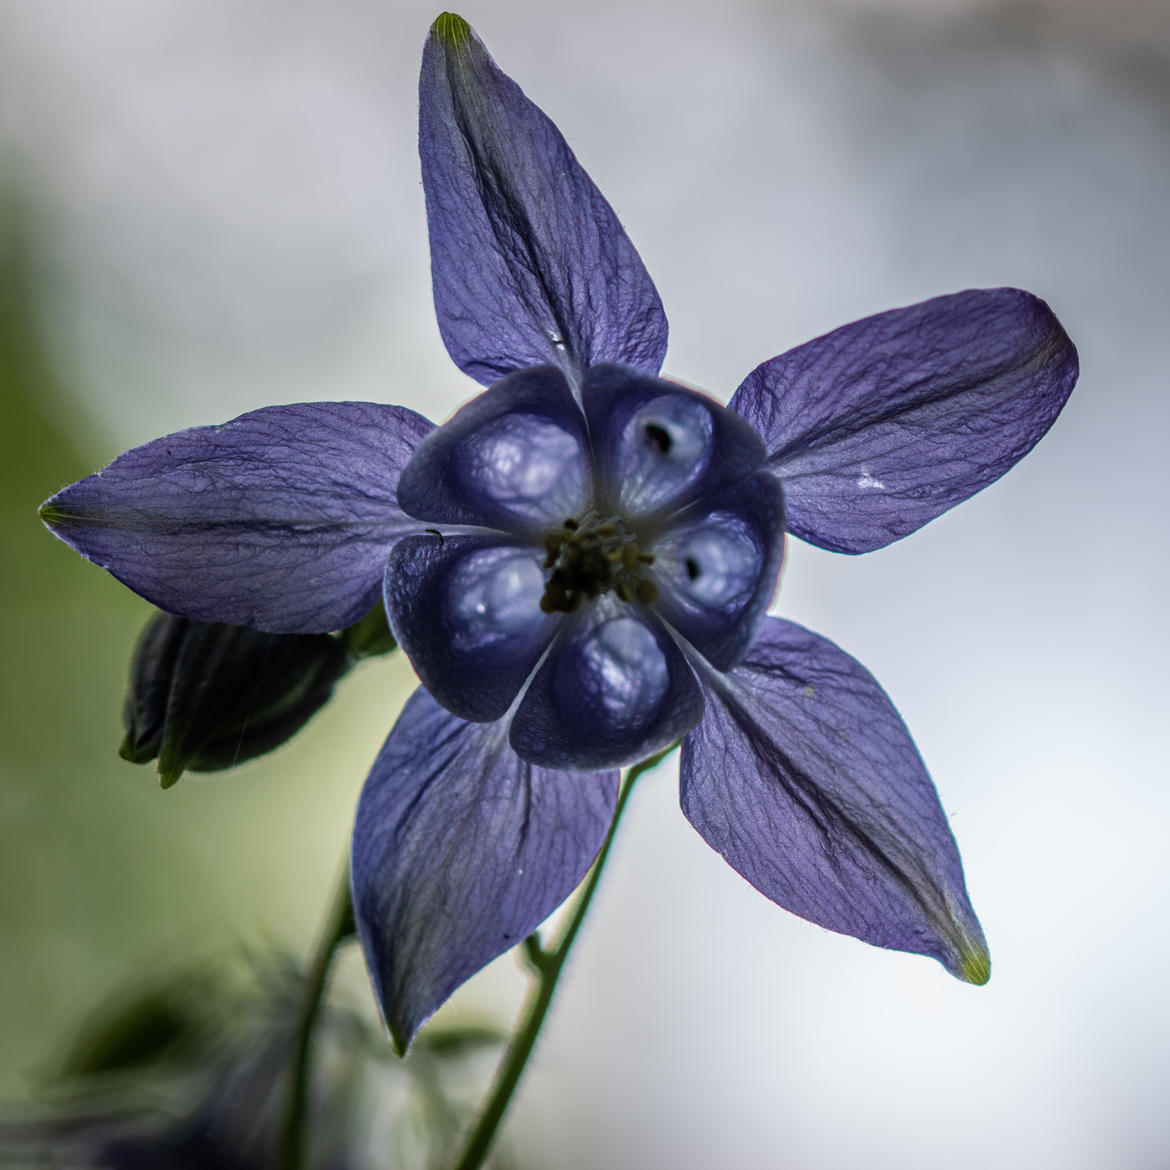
(212, 206)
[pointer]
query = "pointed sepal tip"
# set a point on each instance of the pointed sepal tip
(451, 29)
(50, 514)
(169, 777)
(974, 966)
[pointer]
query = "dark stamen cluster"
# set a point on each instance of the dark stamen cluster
(590, 557)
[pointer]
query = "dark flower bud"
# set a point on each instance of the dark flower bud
(145, 1027)
(206, 696)
(370, 637)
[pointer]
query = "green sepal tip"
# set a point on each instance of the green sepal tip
(169, 777)
(975, 967)
(451, 29)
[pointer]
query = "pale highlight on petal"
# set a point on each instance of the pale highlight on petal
(513, 458)
(466, 610)
(614, 689)
(659, 446)
(718, 565)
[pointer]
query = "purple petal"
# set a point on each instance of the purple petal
(528, 261)
(460, 851)
(804, 777)
(658, 445)
(717, 568)
(280, 519)
(466, 610)
(614, 689)
(886, 423)
(512, 458)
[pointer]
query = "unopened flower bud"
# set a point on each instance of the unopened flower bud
(206, 696)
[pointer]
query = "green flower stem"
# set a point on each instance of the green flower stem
(338, 926)
(546, 965)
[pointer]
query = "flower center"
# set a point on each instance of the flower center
(591, 556)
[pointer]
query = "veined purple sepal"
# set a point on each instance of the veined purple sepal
(804, 777)
(279, 520)
(528, 261)
(884, 424)
(460, 851)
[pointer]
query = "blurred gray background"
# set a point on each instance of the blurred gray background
(212, 206)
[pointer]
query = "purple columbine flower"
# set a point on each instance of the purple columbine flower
(579, 563)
